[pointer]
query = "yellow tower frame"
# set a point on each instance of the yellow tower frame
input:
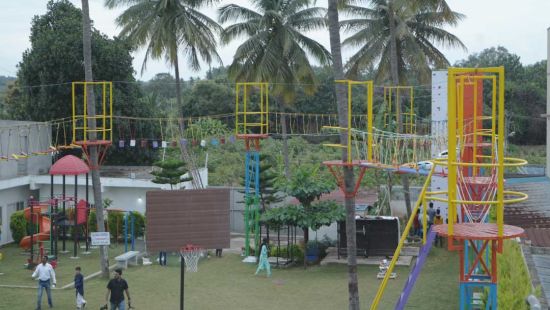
(242, 108)
(81, 126)
(409, 125)
(370, 90)
(458, 78)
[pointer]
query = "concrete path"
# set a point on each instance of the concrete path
(404, 260)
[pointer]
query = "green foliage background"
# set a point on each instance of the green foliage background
(514, 281)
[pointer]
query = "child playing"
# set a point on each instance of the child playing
(79, 286)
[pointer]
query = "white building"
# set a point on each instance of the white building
(24, 171)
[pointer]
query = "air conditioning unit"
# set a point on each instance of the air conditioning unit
(132, 175)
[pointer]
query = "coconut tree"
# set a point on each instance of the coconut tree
(94, 158)
(167, 28)
(399, 38)
(275, 49)
(349, 178)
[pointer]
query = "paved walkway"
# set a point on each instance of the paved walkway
(404, 260)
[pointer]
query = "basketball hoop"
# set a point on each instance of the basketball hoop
(191, 255)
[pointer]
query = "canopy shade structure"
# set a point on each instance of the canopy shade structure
(69, 165)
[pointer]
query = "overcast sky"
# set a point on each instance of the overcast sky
(520, 26)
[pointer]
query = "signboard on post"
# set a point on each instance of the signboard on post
(101, 238)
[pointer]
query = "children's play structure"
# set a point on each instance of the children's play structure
(475, 195)
(52, 218)
(252, 125)
(473, 166)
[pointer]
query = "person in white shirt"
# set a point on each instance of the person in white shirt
(46, 278)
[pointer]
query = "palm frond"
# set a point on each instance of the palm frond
(233, 12)
(419, 28)
(165, 26)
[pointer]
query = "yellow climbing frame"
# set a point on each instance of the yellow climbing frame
(82, 129)
(458, 78)
(369, 88)
(251, 117)
(393, 97)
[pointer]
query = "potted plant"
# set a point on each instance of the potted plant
(312, 251)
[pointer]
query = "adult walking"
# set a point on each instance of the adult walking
(264, 262)
(46, 279)
(116, 288)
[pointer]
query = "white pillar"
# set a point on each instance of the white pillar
(548, 104)
(439, 127)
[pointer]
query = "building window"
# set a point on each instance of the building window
(20, 205)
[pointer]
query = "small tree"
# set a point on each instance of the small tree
(307, 185)
(318, 214)
(171, 172)
(268, 178)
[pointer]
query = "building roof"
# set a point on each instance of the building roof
(540, 237)
(69, 165)
(535, 211)
(363, 197)
(131, 172)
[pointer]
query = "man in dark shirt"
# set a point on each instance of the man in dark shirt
(116, 288)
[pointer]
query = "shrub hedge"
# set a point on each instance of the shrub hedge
(18, 226)
(514, 281)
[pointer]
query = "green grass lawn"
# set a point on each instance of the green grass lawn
(534, 154)
(14, 260)
(227, 283)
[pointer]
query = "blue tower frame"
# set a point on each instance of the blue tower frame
(252, 199)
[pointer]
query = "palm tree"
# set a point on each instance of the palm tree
(349, 178)
(399, 36)
(275, 49)
(94, 158)
(168, 27)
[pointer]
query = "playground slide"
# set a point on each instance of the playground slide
(404, 236)
(44, 228)
(421, 259)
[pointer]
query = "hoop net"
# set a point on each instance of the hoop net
(191, 255)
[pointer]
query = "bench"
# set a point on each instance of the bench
(122, 259)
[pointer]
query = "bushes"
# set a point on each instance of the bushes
(295, 250)
(514, 281)
(115, 222)
(92, 222)
(18, 226)
(139, 224)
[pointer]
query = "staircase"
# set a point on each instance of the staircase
(421, 259)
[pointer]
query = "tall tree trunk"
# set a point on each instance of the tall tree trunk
(395, 79)
(178, 83)
(96, 180)
(341, 99)
(286, 157)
